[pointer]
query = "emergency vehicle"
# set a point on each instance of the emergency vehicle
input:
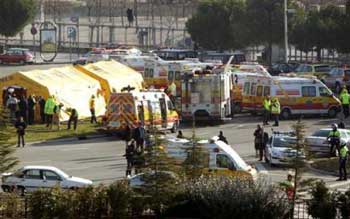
(219, 157)
(136, 62)
(151, 108)
(206, 95)
(297, 95)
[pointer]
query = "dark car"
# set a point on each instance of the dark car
(279, 68)
(16, 55)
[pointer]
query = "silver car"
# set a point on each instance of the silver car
(317, 142)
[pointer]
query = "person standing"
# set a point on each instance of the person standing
(20, 125)
(334, 139)
(258, 139)
(42, 102)
(267, 109)
(129, 155)
(345, 100)
(222, 137)
(23, 108)
(49, 111)
(92, 109)
(343, 157)
(57, 115)
(73, 118)
(12, 105)
(276, 110)
(139, 136)
(31, 109)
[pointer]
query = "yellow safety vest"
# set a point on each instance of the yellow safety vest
(343, 152)
(267, 104)
(276, 107)
(345, 98)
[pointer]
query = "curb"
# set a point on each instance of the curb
(70, 139)
(323, 172)
(51, 63)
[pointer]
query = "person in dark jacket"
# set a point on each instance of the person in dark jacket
(222, 137)
(129, 155)
(21, 126)
(139, 136)
(258, 139)
(42, 102)
(73, 118)
(23, 108)
(31, 109)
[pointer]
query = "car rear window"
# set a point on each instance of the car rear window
(321, 133)
(322, 68)
(284, 142)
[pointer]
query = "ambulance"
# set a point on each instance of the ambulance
(297, 95)
(136, 62)
(206, 95)
(151, 108)
(159, 74)
(219, 157)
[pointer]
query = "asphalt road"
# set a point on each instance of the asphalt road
(101, 159)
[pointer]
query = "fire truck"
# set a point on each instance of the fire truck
(206, 95)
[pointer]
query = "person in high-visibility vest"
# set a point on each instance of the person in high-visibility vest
(49, 111)
(345, 100)
(276, 110)
(343, 157)
(92, 109)
(172, 92)
(267, 110)
(334, 138)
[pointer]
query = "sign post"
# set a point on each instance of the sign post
(34, 31)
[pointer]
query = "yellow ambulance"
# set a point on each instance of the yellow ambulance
(151, 108)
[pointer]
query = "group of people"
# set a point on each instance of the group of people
(135, 141)
(22, 112)
(272, 107)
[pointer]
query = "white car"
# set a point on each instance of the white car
(280, 149)
(30, 178)
(317, 142)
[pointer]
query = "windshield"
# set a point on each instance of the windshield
(284, 142)
(322, 68)
(321, 133)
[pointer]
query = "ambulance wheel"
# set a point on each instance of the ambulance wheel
(286, 114)
(174, 128)
(332, 112)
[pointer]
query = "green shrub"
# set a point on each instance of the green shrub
(226, 197)
(11, 205)
(323, 203)
(344, 204)
(119, 197)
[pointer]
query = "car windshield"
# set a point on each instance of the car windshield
(284, 142)
(322, 68)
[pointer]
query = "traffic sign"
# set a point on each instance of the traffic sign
(33, 30)
(71, 32)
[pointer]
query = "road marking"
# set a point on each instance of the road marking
(339, 184)
(39, 161)
(74, 149)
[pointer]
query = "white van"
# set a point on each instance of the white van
(220, 157)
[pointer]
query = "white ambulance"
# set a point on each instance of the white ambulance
(206, 96)
(297, 95)
(219, 157)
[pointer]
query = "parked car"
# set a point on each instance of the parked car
(139, 180)
(280, 148)
(91, 57)
(317, 142)
(279, 68)
(317, 70)
(337, 78)
(31, 178)
(16, 55)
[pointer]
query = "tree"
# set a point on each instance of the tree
(7, 160)
(216, 24)
(265, 24)
(15, 15)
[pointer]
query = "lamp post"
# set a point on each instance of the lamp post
(286, 31)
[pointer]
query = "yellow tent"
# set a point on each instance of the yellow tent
(113, 76)
(70, 87)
